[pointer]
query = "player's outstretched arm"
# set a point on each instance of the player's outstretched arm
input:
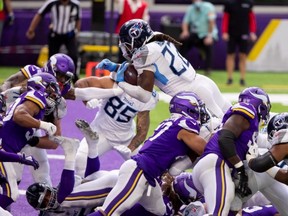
(12, 81)
(143, 122)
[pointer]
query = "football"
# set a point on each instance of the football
(131, 75)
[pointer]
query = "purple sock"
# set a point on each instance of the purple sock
(93, 165)
(66, 185)
(5, 201)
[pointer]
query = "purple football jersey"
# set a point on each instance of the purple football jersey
(30, 70)
(246, 138)
(163, 148)
(14, 137)
(267, 210)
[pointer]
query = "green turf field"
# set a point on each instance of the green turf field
(275, 83)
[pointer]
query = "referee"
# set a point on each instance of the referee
(238, 30)
(64, 26)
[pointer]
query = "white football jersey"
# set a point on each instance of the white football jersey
(174, 74)
(168, 65)
(115, 118)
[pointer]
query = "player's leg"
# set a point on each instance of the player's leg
(212, 177)
(209, 92)
(81, 157)
(243, 50)
(9, 191)
(153, 201)
(90, 148)
(4, 212)
(42, 174)
(127, 192)
(67, 180)
(93, 192)
(230, 60)
(275, 192)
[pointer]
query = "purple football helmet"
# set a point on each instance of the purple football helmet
(183, 186)
(42, 196)
(61, 65)
(134, 34)
(188, 104)
(259, 99)
(47, 85)
(276, 123)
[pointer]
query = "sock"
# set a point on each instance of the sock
(5, 201)
(93, 165)
(92, 148)
(66, 185)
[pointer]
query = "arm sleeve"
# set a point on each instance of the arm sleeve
(136, 92)
(89, 93)
(263, 162)
(225, 22)
(252, 22)
(9, 157)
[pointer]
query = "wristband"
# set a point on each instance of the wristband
(238, 165)
(273, 171)
(33, 141)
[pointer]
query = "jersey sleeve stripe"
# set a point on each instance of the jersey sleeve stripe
(6, 189)
(38, 102)
(25, 73)
(246, 111)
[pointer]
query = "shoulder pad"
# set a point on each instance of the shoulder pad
(30, 70)
(37, 98)
(144, 58)
(244, 109)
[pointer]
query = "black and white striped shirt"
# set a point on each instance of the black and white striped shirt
(63, 17)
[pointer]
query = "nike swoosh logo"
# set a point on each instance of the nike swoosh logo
(192, 192)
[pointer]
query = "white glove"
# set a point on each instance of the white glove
(48, 127)
(253, 152)
(12, 94)
(61, 109)
(93, 103)
(124, 151)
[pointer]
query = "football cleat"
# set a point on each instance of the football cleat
(85, 128)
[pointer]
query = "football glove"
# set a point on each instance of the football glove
(120, 72)
(106, 64)
(242, 188)
(48, 127)
(12, 94)
(93, 103)
(29, 160)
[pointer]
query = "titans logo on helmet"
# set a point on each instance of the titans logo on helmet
(136, 30)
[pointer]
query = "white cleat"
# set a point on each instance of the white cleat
(69, 145)
(86, 129)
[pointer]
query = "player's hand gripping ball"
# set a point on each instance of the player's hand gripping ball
(131, 75)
